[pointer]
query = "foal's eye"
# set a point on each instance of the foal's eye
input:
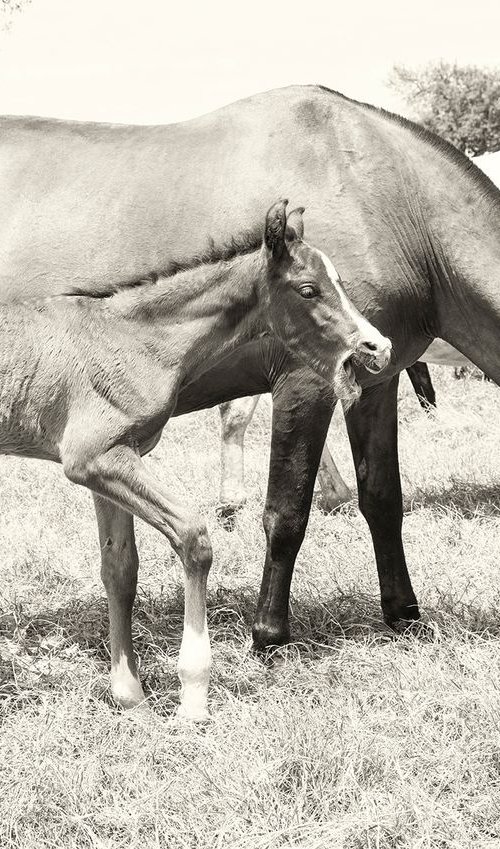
(308, 291)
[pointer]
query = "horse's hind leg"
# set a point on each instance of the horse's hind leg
(422, 384)
(235, 418)
(372, 425)
(120, 476)
(334, 490)
(119, 565)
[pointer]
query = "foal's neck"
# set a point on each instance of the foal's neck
(201, 312)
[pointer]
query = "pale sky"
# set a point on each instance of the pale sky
(151, 61)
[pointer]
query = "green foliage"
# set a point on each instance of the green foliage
(459, 103)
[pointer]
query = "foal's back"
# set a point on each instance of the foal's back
(60, 357)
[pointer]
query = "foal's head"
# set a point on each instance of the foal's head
(309, 310)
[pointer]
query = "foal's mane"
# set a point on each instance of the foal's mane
(244, 243)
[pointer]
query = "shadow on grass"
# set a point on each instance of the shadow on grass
(462, 497)
(316, 623)
(81, 628)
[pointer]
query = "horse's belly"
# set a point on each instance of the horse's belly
(441, 354)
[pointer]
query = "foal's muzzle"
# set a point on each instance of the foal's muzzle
(374, 356)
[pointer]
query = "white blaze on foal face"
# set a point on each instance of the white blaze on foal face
(370, 334)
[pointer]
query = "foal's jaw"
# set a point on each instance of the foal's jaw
(345, 385)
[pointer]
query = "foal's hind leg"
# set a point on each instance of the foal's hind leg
(119, 565)
(120, 475)
(235, 418)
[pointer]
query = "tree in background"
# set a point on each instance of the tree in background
(7, 9)
(461, 103)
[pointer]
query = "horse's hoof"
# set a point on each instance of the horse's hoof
(328, 506)
(269, 636)
(129, 695)
(409, 624)
(226, 516)
(329, 502)
(142, 716)
(415, 628)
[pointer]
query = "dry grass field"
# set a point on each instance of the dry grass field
(350, 737)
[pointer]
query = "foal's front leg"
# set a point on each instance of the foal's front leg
(119, 566)
(120, 476)
(302, 409)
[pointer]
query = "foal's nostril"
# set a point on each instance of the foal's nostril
(371, 346)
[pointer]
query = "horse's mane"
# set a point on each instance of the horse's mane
(448, 150)
(244, 243)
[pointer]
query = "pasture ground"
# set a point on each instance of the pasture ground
(350, 738)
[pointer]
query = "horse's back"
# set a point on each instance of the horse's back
(83, 203)
(70, 202)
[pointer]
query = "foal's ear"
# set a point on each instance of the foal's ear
(295, 225)
(274, 234)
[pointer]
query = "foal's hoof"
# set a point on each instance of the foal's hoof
(231, 500)
(129, 695)
(140, 715)
(192, 714)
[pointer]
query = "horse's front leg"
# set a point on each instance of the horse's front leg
(119, 566)
(372, 425)
(235, 418)
(302, 409)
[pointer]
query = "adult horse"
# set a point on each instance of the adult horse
(411, 224)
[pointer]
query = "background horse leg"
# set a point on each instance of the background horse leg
(421, 381)
(119, 566)
(301, 416)
(334, 490)
(373, 428)
(235, 418)
(120, 475)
